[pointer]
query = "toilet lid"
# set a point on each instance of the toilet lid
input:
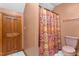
(68, 49)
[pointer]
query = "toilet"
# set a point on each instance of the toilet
(70, 48)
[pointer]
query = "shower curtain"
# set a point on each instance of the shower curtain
(49, 39)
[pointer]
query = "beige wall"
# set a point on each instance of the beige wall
(68, 11)
(31, 28)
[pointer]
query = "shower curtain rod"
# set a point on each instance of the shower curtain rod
(48, 10)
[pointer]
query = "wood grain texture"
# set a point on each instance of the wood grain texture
(10, 33)
(0, 34)
(11, 27)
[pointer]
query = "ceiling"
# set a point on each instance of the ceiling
(19, 7)
(49, 6)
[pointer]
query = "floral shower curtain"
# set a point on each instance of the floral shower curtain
(49, 40)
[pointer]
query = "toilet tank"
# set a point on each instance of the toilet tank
(71, 41)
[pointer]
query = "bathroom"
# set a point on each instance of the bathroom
(65, 20)
(68, 28)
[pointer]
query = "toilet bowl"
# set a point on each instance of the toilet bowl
(68, 51)
(71, 44)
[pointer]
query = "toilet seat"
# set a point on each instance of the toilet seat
(68, 50)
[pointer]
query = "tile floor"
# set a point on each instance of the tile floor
(60, 53)
(21, 53)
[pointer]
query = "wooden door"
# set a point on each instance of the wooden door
(12, 34)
